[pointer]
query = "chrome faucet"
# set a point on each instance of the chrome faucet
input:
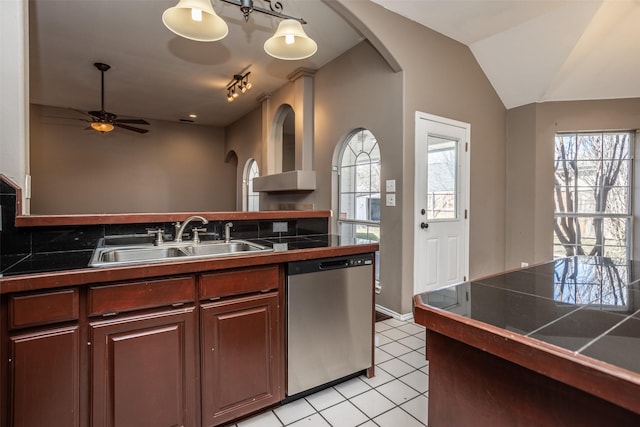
(180, 227)
(227, 231)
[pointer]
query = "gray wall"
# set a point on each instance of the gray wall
(244, 138)
(356, 90)
(379, 85)
(441, 77)
(530, 144)
(175, 167)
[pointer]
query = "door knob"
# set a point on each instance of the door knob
(424, 225)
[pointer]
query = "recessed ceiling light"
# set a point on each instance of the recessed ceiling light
(193, 116)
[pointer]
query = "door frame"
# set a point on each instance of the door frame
(419, 268)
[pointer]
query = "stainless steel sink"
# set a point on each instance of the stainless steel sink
(108, 255)
(126, 255)
(224, 248)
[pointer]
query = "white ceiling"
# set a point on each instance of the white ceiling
(156, 74)
(542, 50)
(531, 51)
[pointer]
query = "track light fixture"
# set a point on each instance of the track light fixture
(196, 20)
(240, 84)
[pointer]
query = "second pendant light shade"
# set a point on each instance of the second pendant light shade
(290, 42)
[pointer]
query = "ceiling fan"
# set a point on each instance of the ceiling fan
(104, 121)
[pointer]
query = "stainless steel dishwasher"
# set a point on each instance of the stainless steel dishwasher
(329, 320)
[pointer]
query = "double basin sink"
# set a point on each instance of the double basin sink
(132, 250)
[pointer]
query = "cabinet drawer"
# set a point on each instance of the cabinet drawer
(241, 281)
(43, 309)
(129, 296)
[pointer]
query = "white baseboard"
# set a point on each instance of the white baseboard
(404, 317)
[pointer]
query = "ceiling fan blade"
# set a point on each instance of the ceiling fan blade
(65, 118)
(139, 130)
(84, 113)
(133, 121)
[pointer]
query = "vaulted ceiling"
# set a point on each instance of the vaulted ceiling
(542, 50)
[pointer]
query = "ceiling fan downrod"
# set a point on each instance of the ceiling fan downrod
(102, 67)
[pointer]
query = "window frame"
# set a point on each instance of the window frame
(344, 146)
(248, 193)
(579, 186)
(354, 222)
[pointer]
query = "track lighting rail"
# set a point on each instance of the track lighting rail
(275, 9)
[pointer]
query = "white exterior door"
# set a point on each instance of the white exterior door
(441, 246)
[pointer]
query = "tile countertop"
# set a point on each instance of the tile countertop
(57, 269)
(587, 305)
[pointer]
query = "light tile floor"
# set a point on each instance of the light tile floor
(395, 397)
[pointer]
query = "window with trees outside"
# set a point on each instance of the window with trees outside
(593, 177)
(253, 198)
(359, 188)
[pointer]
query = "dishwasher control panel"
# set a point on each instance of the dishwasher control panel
(354, 262)
(325, 264)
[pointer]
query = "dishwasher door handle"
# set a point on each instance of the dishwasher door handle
(332, 265)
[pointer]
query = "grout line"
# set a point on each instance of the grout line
(370, 387)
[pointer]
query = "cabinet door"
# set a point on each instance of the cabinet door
(241, 357)
(44, 385)
(143, 370)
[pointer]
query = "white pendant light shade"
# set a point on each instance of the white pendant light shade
(195, 20)
(290, 42)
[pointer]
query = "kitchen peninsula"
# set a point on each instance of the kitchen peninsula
(552, 345)
(198, 342)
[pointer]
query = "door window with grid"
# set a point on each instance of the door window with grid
(592, 184)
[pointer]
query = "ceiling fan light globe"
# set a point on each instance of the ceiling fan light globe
(102, 127)
(280, 47)
(178, 19)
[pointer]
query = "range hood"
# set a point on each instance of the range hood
(296, 180)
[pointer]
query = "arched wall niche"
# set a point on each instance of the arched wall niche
(288, 129)
(283, 138)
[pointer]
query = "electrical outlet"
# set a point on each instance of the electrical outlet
(391, 199)
(280, 227)
(391, 186)
(524, 264)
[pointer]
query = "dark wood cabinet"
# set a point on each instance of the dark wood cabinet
(143, 370)
(185, 350)
(43, 359)
(44, 378)
(241, 357)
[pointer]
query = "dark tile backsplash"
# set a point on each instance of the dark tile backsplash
(65, 238)
(6, 188)
(312, 226)
(16, 243)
